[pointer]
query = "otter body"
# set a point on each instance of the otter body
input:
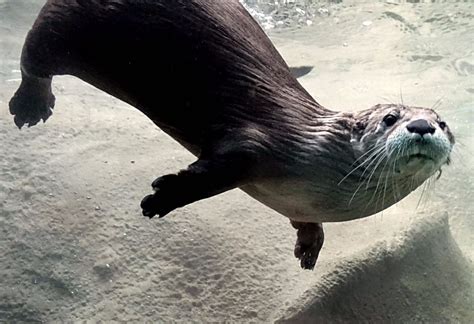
(206, 74)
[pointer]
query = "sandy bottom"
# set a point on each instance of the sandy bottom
(75, 247)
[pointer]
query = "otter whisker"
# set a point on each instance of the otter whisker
(379, 160)
(374, 169)
(426, 186)
(396, 189)
(460, 142)
(374, 147)
(459, 157)
(392, 167)
(375, 158)
(361, 181)
(389, 162)
(378, 184)
(431, 187)
(466, 150)
(376, 161)
(421, 195)
(401, 95)
(438, 102)
(387, 100)
(377, 148)
(412, 183)
(382, 193)
(390, 176)
(400, 151)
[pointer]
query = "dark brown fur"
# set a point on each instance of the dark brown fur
(206, 60)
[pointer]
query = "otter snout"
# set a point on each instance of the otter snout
(421, 127)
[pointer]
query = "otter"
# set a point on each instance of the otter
(206, 73)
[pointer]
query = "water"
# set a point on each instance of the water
(73, 248)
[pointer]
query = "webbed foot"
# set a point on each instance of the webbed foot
(309, 243)
(32, 102)
(164, 199)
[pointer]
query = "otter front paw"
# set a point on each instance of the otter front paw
(164, 199)
(32, 102)
(202, 179)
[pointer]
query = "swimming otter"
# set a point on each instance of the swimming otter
(206, 74)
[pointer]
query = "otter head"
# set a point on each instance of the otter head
(402, 145)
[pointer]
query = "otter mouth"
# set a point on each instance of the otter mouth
(420, 156)
(417, 162)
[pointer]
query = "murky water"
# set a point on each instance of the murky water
(71, 250)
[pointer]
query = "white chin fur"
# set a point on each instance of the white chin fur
(421, 166)
(415, 154)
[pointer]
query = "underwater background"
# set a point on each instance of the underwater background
(74, 246)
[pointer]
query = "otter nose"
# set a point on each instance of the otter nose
(420, 126)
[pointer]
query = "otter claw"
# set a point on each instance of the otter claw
(145, 205)
(307, 255)
(308, 261)
(32, 102)
(308, 244)
(150, 207)
(164, 199)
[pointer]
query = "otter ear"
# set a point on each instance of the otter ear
(358, 130)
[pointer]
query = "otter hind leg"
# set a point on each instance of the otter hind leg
(202, 179)
(33, 101)
(310, 239)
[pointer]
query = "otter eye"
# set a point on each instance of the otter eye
(390, 119)
(442, 125)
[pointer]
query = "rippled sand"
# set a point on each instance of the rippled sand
(74, 246)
